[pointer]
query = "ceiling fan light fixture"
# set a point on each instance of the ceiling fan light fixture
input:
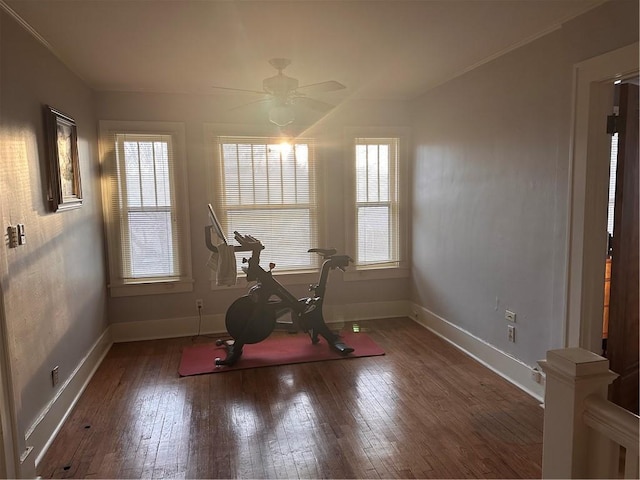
(281, 115)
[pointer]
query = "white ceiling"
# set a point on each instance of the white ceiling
(392, 49)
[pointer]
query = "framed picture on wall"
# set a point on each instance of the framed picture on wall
(62, 139)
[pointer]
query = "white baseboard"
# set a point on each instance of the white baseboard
(42, 432)
(167, 328)
(214, 324)
(508, 367)
(354, 312)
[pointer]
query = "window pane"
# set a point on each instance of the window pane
(289, 178)
(147, 174)
(383, 172)
(151, 244)
(302, 173)
(230, 167)
(260, 175)
(373, 234)
(245, 174)
(274, 170)
(271, 226)
(132, 174)
(372, 173)
(361, 173)
(163, 187)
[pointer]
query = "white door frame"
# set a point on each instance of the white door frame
(588, 190)
(9, 461)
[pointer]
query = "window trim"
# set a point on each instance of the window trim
(119, 287)
(401, 268)
(212, 132)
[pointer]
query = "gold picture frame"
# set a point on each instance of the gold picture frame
(62, 138)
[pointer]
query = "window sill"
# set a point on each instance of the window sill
(306, 277)
(355, 275)
(151, 288)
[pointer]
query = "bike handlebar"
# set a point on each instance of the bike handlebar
(247, 243)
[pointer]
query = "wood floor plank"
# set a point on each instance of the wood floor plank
(423, 410)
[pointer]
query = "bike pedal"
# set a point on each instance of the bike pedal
(343, 348)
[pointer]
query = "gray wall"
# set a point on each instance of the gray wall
(54, 288)
(490, 192)
(196, 111)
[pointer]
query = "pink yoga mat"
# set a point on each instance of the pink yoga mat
(279, 349)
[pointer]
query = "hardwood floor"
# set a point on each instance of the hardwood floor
(423, 410)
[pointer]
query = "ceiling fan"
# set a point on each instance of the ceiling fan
(284, 92)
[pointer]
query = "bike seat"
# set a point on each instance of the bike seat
(325, 252)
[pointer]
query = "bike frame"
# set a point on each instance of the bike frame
(255, 315)
(269, 286)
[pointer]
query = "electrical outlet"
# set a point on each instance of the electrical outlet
(199, 304)
(510, 316)
(55, 375)
(511, 332)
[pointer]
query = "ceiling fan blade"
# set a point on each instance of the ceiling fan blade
(262, 100)
(313, 104)
(329, 86)
(242, 90)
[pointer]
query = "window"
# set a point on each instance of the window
(376, 201)
(147, 238)
(265, 187)
(376, 215)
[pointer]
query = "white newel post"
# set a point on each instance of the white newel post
(572, 374)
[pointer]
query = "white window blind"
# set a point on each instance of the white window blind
(266, 188)
(377, 222)
(145, 235)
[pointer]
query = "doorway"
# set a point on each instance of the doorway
(622, 309)
(588, 192)
(611, 201)
(613, 167)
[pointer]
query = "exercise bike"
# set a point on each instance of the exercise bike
(253, 317)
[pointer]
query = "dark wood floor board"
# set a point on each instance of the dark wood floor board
(423, 410)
